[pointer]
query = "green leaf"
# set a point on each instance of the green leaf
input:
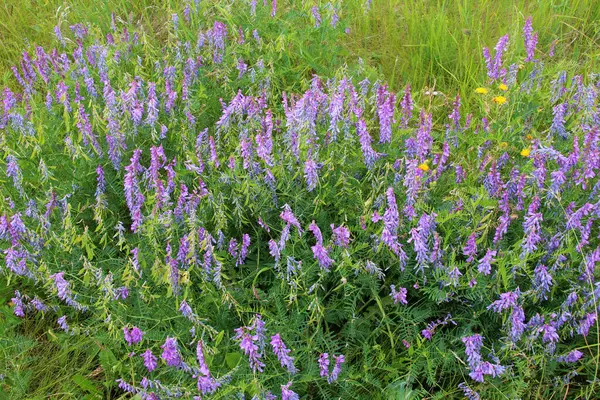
(232, 359)
(85, 383)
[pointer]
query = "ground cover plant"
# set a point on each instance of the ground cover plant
(232, 204)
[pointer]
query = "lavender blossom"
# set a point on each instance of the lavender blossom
(571, 357)
(250, 348)
(386, 104)
(507, 300)
(494, 65)
(62, 322)
(470, 249)
(542, 281)
(315, 13)
(558, 122)
(286, 392)
(319, 251)
(531, 39)
(324, 365)
(149, 360)
(310, 174)
(282, 353)
(337, 368)
(133, 335)
(485, 267)
(398, 296)
(341, 235)
(586, 323)
(532, 227)
(171, 353)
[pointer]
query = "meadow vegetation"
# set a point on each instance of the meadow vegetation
(284, 199)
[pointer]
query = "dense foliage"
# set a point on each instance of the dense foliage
(205, 225)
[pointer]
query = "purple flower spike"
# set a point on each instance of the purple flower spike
(282, 353)
(149, 360)
(530, 38)
(133, 335)
(170, 352)
(399, 296)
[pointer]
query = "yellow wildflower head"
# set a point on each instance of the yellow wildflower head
(424, 167)
(499, 100)
(526, 152)
(503, 87)
(481, 90)
(503, 145)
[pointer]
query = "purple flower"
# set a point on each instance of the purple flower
(258, 326)
(18, 305)
(549, 334)
(286, 393)
(233, 247)
(494, 65)
(59, 35)
(542, 281)
(274, 250)
(571, 357)
(175, 19)
(532, 227)
(507, 300)
(250, 348)
(206, 384)
(282, 353)
(62, 286)
(149, 360)
(337, 368)
(369, 155)
(216, 38)
(62, 322)
(324, 364)
(469, 393)
(485, 266)
(341, 235)
(455, 115)
(470, 249)
(586, 323)
(152, 104)
(170, 352)
(479, 368)
(13, 171)
(386, 104)
(133, 335)
(79, 30)
(391, 221)
(311, 174)
(398, 296)
(558, 122)
(429, 331)
(531, 39)
(244, 249)
(319, 251)
(315, 13)
(517, 323)
(406, 107)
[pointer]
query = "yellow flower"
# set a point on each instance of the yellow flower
(525, 152)
(424, 167)
(499, 100)
(529, 137)
(481, 90)
(503, 87)
(503, 145)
